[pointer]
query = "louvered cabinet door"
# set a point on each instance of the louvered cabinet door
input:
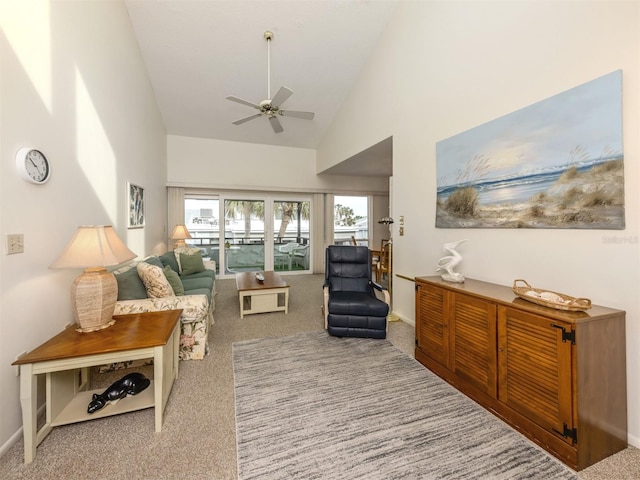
(432, 329)
(534, 368)
(473, 341)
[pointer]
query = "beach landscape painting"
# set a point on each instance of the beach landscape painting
(555, 164)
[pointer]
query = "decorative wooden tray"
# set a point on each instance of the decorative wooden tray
(547, 298)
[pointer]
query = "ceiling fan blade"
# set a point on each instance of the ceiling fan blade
(294, 114)
(243, 102)
(275, 124)
(246, 119)
(281, 97)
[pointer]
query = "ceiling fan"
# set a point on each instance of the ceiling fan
(271, 107)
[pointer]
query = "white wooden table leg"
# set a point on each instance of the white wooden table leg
(241, 300)
(28, 401)
(176, 350)
(158, 385)
(286, 300)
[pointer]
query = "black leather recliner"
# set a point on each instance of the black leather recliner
(351, 307)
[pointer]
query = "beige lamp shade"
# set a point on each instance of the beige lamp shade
(180, 234)
(95, 291)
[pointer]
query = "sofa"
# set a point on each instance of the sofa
(163, 282)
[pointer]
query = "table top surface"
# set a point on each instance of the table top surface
(248, 281)
(506, 296)
(130, 332)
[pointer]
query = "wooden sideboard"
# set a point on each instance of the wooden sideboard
(556, 376)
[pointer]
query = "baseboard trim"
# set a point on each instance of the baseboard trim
(16, 436)
(405, 319)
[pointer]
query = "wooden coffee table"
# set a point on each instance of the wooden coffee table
(271, 295)
(65, 359)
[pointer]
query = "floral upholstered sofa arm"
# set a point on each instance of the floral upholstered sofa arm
(145, 286)
(195, 308)
(194, 320)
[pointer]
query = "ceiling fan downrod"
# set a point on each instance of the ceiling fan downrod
(268, 36)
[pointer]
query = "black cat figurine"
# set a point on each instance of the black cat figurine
(130, 384)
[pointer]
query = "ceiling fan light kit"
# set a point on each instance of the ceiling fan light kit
(271, 107)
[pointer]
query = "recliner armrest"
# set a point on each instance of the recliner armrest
(384, 291)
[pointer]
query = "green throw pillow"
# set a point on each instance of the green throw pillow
(191, 263)
(169, 259)
(130, 287)
(153, 260)
(174, 280)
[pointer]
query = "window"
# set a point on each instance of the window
(202, 218)
(350, 220)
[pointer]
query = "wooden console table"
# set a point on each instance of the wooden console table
(65, 359)
(558, 377)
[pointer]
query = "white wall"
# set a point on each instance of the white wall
(446, 67)
(380, 208)
(220, 164)
(73, 85)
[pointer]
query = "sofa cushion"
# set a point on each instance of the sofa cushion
(130, 286)
(191, 264)
(169, 259)
(174, 280)
(193, 283)
(206, 273)
(154, 280)
(154, 260)
(201, 291)
(186, 250)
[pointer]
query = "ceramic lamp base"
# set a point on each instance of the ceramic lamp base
(93, 295)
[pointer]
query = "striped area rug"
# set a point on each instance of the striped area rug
(311, 406)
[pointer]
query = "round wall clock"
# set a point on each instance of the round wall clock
(32, 165)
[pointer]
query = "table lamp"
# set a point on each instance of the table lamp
(180, 234)
(95, 291)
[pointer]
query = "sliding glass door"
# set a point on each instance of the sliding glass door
(202, 219)
(291, 238)
(244, 235)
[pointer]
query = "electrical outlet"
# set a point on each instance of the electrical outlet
(15, 243)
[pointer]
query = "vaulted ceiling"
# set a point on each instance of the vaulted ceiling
(197, 52)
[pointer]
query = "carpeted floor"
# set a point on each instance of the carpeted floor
(316, 406)
(198, 439)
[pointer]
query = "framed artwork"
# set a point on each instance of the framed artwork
(135, 195)
(555, 164)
